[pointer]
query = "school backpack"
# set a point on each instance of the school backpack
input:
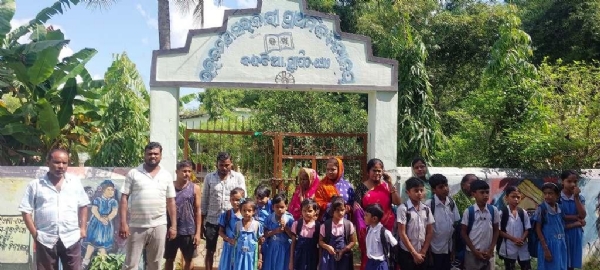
(300, 223)
(504, 221)
(532, 244)
(432, 205)
(408, 214)
(329, 224)
(388, 250)
(471, 220)
(456, 234)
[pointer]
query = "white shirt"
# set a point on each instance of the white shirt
(416, 228)
(215, 194)
(445, 217)
(55, 213)
(514, 227)
(373, 242)
(482, 232)
(148, 197)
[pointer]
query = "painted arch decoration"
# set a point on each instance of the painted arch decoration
(278, 45)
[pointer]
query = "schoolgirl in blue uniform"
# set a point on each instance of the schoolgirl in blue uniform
(572, 204)
(278, 235)
(227, 222)
(247, 234)
(550, 229)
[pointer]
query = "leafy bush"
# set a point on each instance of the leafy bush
(108, 262)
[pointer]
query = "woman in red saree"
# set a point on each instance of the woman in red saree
(378, 189)
(309, 181)
(334, 184)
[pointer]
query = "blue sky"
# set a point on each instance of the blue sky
(127, 26)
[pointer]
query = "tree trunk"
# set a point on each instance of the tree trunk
(164, 25)
(201, 3)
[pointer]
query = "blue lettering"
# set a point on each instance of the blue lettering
(228, 38)
(215, 53)
(299, 19)
(310, 23)
(288, 20)
(207, 76)
(347, 77)
(255, 61)
(237, 29)
(245, 60)
(292, 63)
(345, 64)
(257, 21)
(264, 59)
(322, 63)
(272, 18)
(321, 31)
(246, 25)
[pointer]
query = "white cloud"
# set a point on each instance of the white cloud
(145, 41)
(182, 23)
(14, 23)
(246, 3)
(65, 52)
(150, 21)
(98, 77)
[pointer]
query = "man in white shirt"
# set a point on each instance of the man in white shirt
(215, 201)
(58, 202)
(149, 193)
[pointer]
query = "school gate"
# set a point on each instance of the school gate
(279, 45)
(272, 158)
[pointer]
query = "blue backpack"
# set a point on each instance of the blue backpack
(533, 240)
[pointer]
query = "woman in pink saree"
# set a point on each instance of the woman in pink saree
(309, 181)
(378, 189)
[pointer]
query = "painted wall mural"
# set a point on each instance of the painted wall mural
(103, 188)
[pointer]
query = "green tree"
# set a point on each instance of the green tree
(53, 109)
(566, 29)
(505, 108)
(459, 42)
(393, 28)
(123, 128)
(220, 103)
(571, 92)
(323, 112)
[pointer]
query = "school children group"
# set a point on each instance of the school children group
(428, 232)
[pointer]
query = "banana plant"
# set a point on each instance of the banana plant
(54, 109)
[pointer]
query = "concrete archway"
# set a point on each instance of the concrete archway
(280, 45)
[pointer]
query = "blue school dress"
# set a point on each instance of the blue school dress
(574, 235)
(102, 235)
(553, 229)
(246, 246)
(262, 213)
(277, 247)
(226, 262)
(306, 252)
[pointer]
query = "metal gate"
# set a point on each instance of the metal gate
(271, 157)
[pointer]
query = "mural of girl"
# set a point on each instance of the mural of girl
(100, 231)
